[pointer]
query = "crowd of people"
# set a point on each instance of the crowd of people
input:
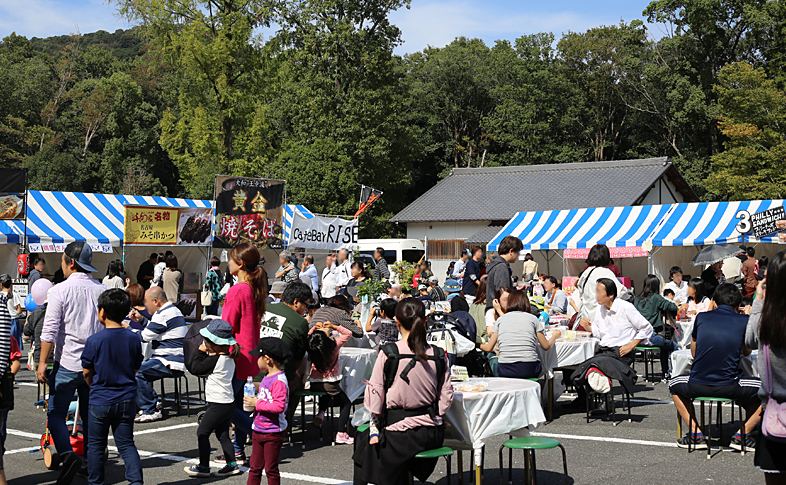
(90, 331)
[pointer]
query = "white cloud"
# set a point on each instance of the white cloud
(437, 23)
(45, 18)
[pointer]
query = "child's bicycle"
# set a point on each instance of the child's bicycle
(51, 457)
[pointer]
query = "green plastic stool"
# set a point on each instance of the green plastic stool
(302, 395)
(443, 452)
(363, 427)
(708, 430)
(649, 361)
(529, 445)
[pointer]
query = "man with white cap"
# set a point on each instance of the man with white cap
(71, 317)
(436, 292)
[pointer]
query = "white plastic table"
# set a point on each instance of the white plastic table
(566, 352)
(508, 406)
(682, 361)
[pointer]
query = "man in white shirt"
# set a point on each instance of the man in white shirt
(328, 281)
(678, 285)
(311, 271)
(458, 268)
(617, 323)
(342, 273)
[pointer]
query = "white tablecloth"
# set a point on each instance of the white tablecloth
(682, 361)
(509, 406)
(356, 366)
(567, 352)
(683, 333)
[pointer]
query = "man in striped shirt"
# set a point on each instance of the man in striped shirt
(165, 330)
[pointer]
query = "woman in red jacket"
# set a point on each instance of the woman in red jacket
(244, 308)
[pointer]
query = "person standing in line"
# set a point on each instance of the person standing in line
(158, 270)
(749, 274)
(381, 271)
(109, 362)
(310, 271)
(328, 279)
(214, 282)
(766, 331)
(71, 318)
(243, 310)
(342, 273)
(15, 309)
(172, 280)
(530, 268)
(597, 260)
(146, 271)
(114, 275)
(39, 265)
(469, 285)
(498, 269)
(458, 268)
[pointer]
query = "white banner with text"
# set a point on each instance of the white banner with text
(331, 233)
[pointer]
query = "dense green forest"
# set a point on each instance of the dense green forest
(325, 104)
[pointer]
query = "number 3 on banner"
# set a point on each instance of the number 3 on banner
(745, 221)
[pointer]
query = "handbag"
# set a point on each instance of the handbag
(773, 424)
(207, 297)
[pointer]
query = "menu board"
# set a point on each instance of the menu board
(167, 226)
(249, 210)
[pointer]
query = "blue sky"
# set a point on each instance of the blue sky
(427, 22)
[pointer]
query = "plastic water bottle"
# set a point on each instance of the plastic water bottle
(248, 391)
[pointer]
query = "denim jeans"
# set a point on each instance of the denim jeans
(16, 332)
(150, 371)
(241, 419)
(666, 348)
(120, 418)
(62, 386)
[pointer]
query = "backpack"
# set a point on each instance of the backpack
(391, 416)
(438, 334)
(191, 343)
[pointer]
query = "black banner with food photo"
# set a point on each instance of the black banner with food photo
(249, 210)
(13, 185)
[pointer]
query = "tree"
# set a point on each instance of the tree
(752, 115)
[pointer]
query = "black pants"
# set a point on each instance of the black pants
(612, 352)
(338, 396)
(216, 420)
(391, 460)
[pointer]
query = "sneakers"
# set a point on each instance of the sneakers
(227, 471)
(318, 419)
(197, 471)
(71, 466)
(344, 439)
(149, 418)
(690, 441)
(240, 459)
(736, 443)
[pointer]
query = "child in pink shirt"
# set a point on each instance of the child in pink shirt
(323, 350)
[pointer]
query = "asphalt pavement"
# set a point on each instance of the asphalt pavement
(642, 451)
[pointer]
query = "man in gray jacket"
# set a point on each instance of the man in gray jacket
(498, 269)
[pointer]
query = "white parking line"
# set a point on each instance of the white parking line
(606, 439)
(28, 384)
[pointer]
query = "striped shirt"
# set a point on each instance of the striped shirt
(166, 330)
(5, 333)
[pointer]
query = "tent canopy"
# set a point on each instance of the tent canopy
(583, 228)
(289, 216)
(64, 217)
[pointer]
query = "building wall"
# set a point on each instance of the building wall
(659, 194)
(444, 230)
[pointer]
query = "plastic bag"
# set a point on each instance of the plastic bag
(361, 417)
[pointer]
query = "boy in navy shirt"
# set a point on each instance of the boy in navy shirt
(717, 345)
(110, 362)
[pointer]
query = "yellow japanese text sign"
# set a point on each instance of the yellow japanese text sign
(150, 226)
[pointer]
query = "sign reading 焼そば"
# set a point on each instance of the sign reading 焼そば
(249, 210)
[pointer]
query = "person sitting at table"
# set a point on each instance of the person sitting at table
(339, 312)
(412, 404)
(678, 286)
(654, 308)
(620, 328)
(556, 299)
(323, 350)
(717, 346)
(698, 301)
(518, 332)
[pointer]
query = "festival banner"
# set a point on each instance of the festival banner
(249, 210)
(150, 226)
(13, 185)
(323, 233)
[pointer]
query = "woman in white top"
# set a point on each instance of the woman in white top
(599, 257)
(114, 275)
(677, 285)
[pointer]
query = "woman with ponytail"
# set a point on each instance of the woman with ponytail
(409, 412)
(243, 310)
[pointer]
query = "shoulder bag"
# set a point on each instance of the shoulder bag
(773, 424)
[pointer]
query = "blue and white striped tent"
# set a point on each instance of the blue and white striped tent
(704, 223)
(289, 216)
(11, 232)
(583, 228)
(63, 217)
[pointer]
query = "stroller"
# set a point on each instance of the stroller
(456, 333)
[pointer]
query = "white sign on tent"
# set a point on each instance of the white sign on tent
(332, 233)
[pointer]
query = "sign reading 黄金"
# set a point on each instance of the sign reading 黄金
(248, 210)
(154, 226)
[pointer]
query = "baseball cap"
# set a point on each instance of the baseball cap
(274, 347)
(82, 253)
(278, 287)
(434, 280)
(422, 287)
